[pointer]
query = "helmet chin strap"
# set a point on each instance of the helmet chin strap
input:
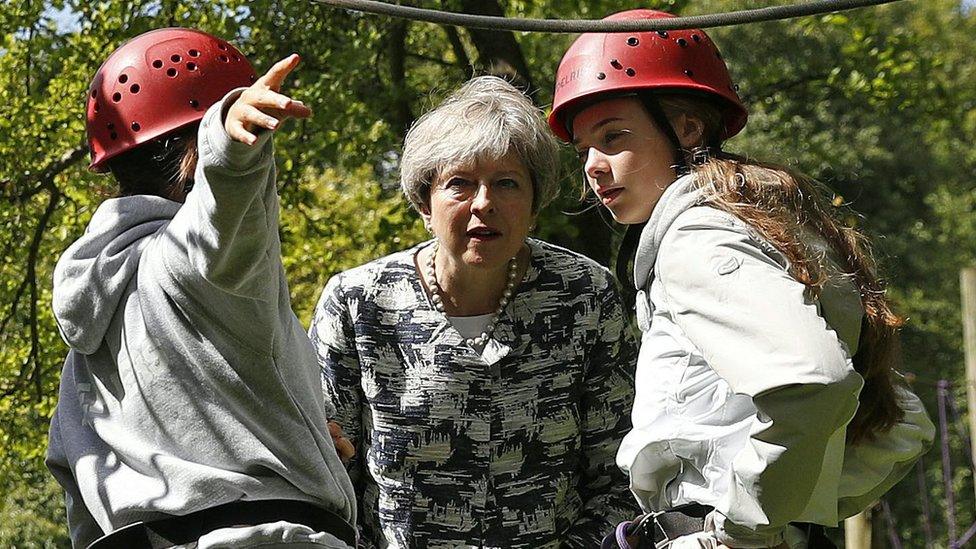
(653, 108)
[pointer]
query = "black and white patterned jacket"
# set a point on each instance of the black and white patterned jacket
(511, 448)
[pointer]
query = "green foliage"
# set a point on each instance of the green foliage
(878, 103)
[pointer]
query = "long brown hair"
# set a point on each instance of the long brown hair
(781, 205)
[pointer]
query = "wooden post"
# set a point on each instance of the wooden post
(857, 531)
(967, 282)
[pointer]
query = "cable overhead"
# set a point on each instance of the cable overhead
(489, 22)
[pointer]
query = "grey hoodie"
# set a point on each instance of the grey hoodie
(190, 382)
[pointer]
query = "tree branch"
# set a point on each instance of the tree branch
(397, 50)
(31, 366)
(459, 52)
(782, 86)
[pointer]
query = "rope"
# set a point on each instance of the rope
(773, 13)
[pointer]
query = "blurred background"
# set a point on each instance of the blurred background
(878, 103)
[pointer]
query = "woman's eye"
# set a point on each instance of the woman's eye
(456, 183)
(610, 137)
(508, 183)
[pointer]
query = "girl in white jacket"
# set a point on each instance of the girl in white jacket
(766, 404)
(190, 410)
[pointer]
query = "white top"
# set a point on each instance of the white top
(471, 326)
(745, 384)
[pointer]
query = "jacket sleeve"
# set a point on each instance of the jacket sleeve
(605, 418)
(758, 329)
(228, 225)
(333, 337)
(873, 466)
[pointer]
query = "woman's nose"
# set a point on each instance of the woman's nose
(482, 201)
(595, 163)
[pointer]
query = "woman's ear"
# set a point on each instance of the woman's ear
(690, 131)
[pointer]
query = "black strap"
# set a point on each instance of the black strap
(177, 530)
(816, 535)
(689, 519)
(679, 521)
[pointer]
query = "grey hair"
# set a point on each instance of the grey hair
(486, 118)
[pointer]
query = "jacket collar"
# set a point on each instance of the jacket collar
(680, 195)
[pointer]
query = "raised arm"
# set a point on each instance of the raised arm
(229, 223)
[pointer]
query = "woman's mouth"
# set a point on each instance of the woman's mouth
(483, 233)
(607, 196)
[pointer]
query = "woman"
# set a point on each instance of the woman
(762, 315)
(484, 376)
(188, 411)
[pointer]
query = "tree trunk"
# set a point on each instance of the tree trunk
(498, 52)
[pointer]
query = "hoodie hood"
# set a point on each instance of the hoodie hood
(93, 273)
(681, 195)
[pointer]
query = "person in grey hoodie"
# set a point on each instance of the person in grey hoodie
(767, 405)
(190, 408)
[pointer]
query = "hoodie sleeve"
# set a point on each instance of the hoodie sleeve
(228, 227)
(757, 328)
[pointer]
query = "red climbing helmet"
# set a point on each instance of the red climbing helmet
(158, 82)
(681, 60)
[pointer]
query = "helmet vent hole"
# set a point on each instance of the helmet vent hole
(222, 46)
(134, 88)
(600, 76)
(113, 136)
(616, 64)
(123, 78)
(696, 38)
(237, 59)
(94, 94)
(633, 41)
(630, 71)
(223, 58)
(136, 127)
(191, 66)
(158, 64)
(194, 103)
(662, 34)
(171, 72)
(97, 107)
(682, 42)
(176, 58)
(116, 97)
(110, 126)
(194, 53)
(688, 72)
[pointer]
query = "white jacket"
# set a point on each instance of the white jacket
(745, 384)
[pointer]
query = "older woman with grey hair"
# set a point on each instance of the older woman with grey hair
(485, 377)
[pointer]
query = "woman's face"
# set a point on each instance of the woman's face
(482, 213)
(626, 158)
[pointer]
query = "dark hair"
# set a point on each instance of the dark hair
(161, 167)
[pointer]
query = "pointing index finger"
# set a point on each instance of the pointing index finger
(279, 71)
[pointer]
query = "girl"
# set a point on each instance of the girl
(189, 408)
(765, 391)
